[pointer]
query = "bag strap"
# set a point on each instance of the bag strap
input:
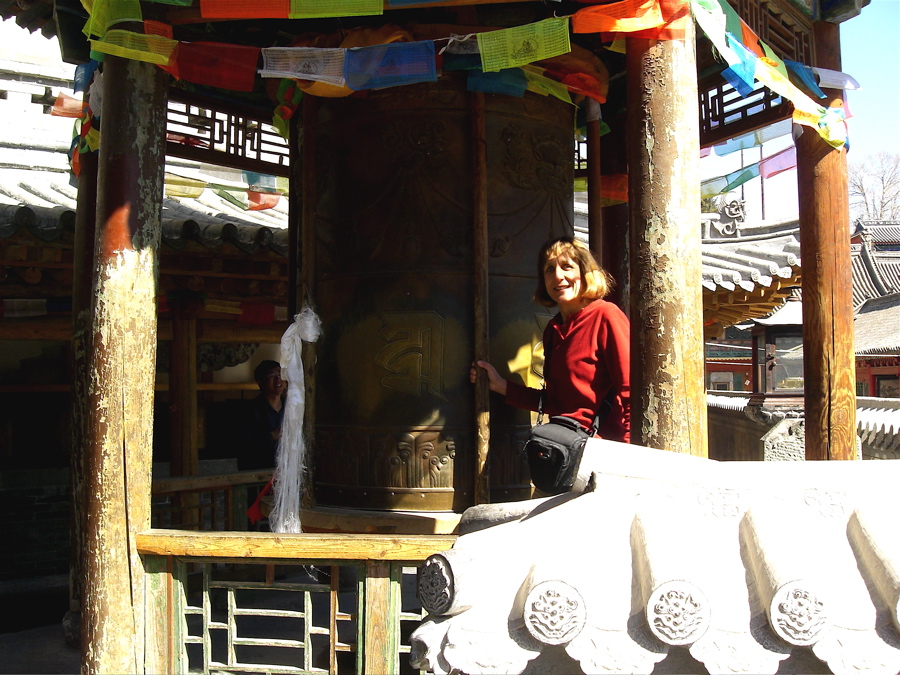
(540, 419)
(603, 412)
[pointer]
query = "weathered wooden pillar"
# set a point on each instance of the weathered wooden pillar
(614, 231)
(307, 274)
(667, 390)
(594, 185)
(82, 265)
(295, 212)
(828, 357)
(482, 345)
(122, 368)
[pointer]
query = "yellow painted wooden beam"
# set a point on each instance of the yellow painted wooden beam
(305, 546)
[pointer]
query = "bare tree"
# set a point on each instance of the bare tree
(874, 186)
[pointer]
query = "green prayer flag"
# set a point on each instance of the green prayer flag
(519, 46)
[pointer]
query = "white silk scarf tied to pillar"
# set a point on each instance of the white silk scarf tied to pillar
(290, 457)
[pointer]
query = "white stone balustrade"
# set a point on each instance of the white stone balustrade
(675, 564)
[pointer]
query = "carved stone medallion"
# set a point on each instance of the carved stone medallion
(435, 585)
(678, 613)
(798, 615)
(554, 612)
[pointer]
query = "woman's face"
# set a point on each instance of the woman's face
(562, 279)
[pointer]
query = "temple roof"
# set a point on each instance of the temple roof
(877, 325)
(42, 203)
(879, 231)
(675, 564)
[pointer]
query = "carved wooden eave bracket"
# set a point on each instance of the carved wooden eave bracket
(692, 564)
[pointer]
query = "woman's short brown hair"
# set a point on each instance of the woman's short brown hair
(597, 282)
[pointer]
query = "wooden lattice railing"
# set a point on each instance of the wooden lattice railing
(206, 503)
(302, 603)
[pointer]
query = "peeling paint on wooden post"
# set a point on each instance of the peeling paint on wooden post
(82, 266)
(668, 397)
(829, 368)
(482, 479)
(119, 431)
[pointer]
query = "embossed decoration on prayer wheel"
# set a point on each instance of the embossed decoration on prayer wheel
(395, 421)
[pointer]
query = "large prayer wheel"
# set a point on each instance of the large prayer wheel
(395, 421)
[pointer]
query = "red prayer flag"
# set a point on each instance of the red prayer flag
(750, 40)
(582, 83)
(244, 9)
(158, 28)
(780, 161)
(68, 106)
(215, 64)
(260, 201)
(614, 186)
(76, 162)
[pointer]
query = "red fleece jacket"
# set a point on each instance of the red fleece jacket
(583, 358)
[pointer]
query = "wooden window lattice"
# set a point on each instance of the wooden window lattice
(281, 618)
(207, 131)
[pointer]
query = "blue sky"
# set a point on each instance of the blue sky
(870, 52)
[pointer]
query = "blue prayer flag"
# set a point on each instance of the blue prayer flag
(806, 76)
(390, 65)
(83, 75)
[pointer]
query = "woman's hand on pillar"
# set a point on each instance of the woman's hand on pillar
(495, 382)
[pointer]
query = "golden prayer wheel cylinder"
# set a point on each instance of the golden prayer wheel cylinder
(395, 421)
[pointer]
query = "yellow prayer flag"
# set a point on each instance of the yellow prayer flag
(92, 138)
(512, 47)
(179, 186)
(617, 45)
(107, 13)
(539, 84)
(778, 83)
(312, 9)
(136, 46)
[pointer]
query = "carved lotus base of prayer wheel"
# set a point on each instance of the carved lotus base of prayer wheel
(394, 288)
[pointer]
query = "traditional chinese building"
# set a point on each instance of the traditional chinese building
(414, 211)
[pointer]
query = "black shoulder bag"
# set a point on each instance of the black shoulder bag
(554, 449)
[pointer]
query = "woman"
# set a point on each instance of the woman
(586, 345)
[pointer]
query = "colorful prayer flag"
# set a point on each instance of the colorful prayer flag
(522, 45)
(390, 65)
(806, 76)
(626, 16)
(68, 106)
(305, 63)
(108, 13)
(317, 9)
(754, 138)
(136, 46)
(242, 9)
(179, 186)
(741, 176)
(779, 162)
(260, 201)
(215, 64)
(675, 15)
